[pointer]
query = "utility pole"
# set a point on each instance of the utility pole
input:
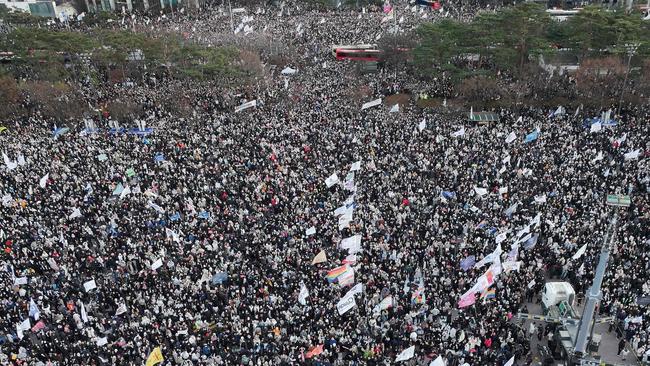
(631, 51)
(594, 295)
(395, 39)
(232, 24)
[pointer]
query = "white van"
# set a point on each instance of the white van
(556, 292)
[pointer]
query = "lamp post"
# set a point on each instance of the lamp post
(631, 49)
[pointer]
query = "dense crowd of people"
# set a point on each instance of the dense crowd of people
(224, 238)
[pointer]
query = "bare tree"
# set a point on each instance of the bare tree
(11, 97)
(600, 78)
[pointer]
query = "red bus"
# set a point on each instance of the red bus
(358, 54)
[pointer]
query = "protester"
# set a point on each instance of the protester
(193, 237)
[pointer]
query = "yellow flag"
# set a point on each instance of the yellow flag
(155, 357)
(321, 257)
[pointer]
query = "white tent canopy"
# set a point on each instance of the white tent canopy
(288, 71)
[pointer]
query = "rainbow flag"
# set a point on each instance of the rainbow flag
(336, 273)
(488, 294)
(418, 296)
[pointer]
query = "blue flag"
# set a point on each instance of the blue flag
(468, 263)
(33, 310)
(448, 194)
(159, 157)
(175, 217)
(204, 215)
(530, 243)
(219, 278)
(532, 136)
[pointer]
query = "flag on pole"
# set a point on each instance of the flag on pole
(336, 272)
(468, 263)
(467, 299)
(43, 181)
(84, 315)
(488, 293)
(459, 133)
(302, 296)
(384, 304)
(33, 310)
(346, 303)
(406, 354)
(510, 362)
(437, 362)
(155, 357)
(347, 278)
(480, 191)
(580, 252)
(418, 296)
(321, 257)
(314, 351)
(121, 309)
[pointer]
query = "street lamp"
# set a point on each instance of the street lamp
(631, 49)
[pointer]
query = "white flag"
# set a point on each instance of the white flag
(511, 137)
(11, 165)
(25, 325)
(155, 207)
(172, 234)
(596, 127)
(90, 285)
(157, 264)
(480, 191)
(19, 331)
(121, 309)
(345, 304)
(102, 341)
(540, 198)
(407, 354)
(331, 180)
(310, 231)
(580, 252)
(353, 244)
(394, 109)
(371, 104)
(125, 191)
(356, 289)
(356, 166)
(437, 362)
(84, 315)
(21, 160)
(598, 157)
(422, 125)
(633, 154)
(43, 181)
(246, 105)
(536, 220)
(302, 296)
(510, 362)
(75, 213)
(459, 133)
